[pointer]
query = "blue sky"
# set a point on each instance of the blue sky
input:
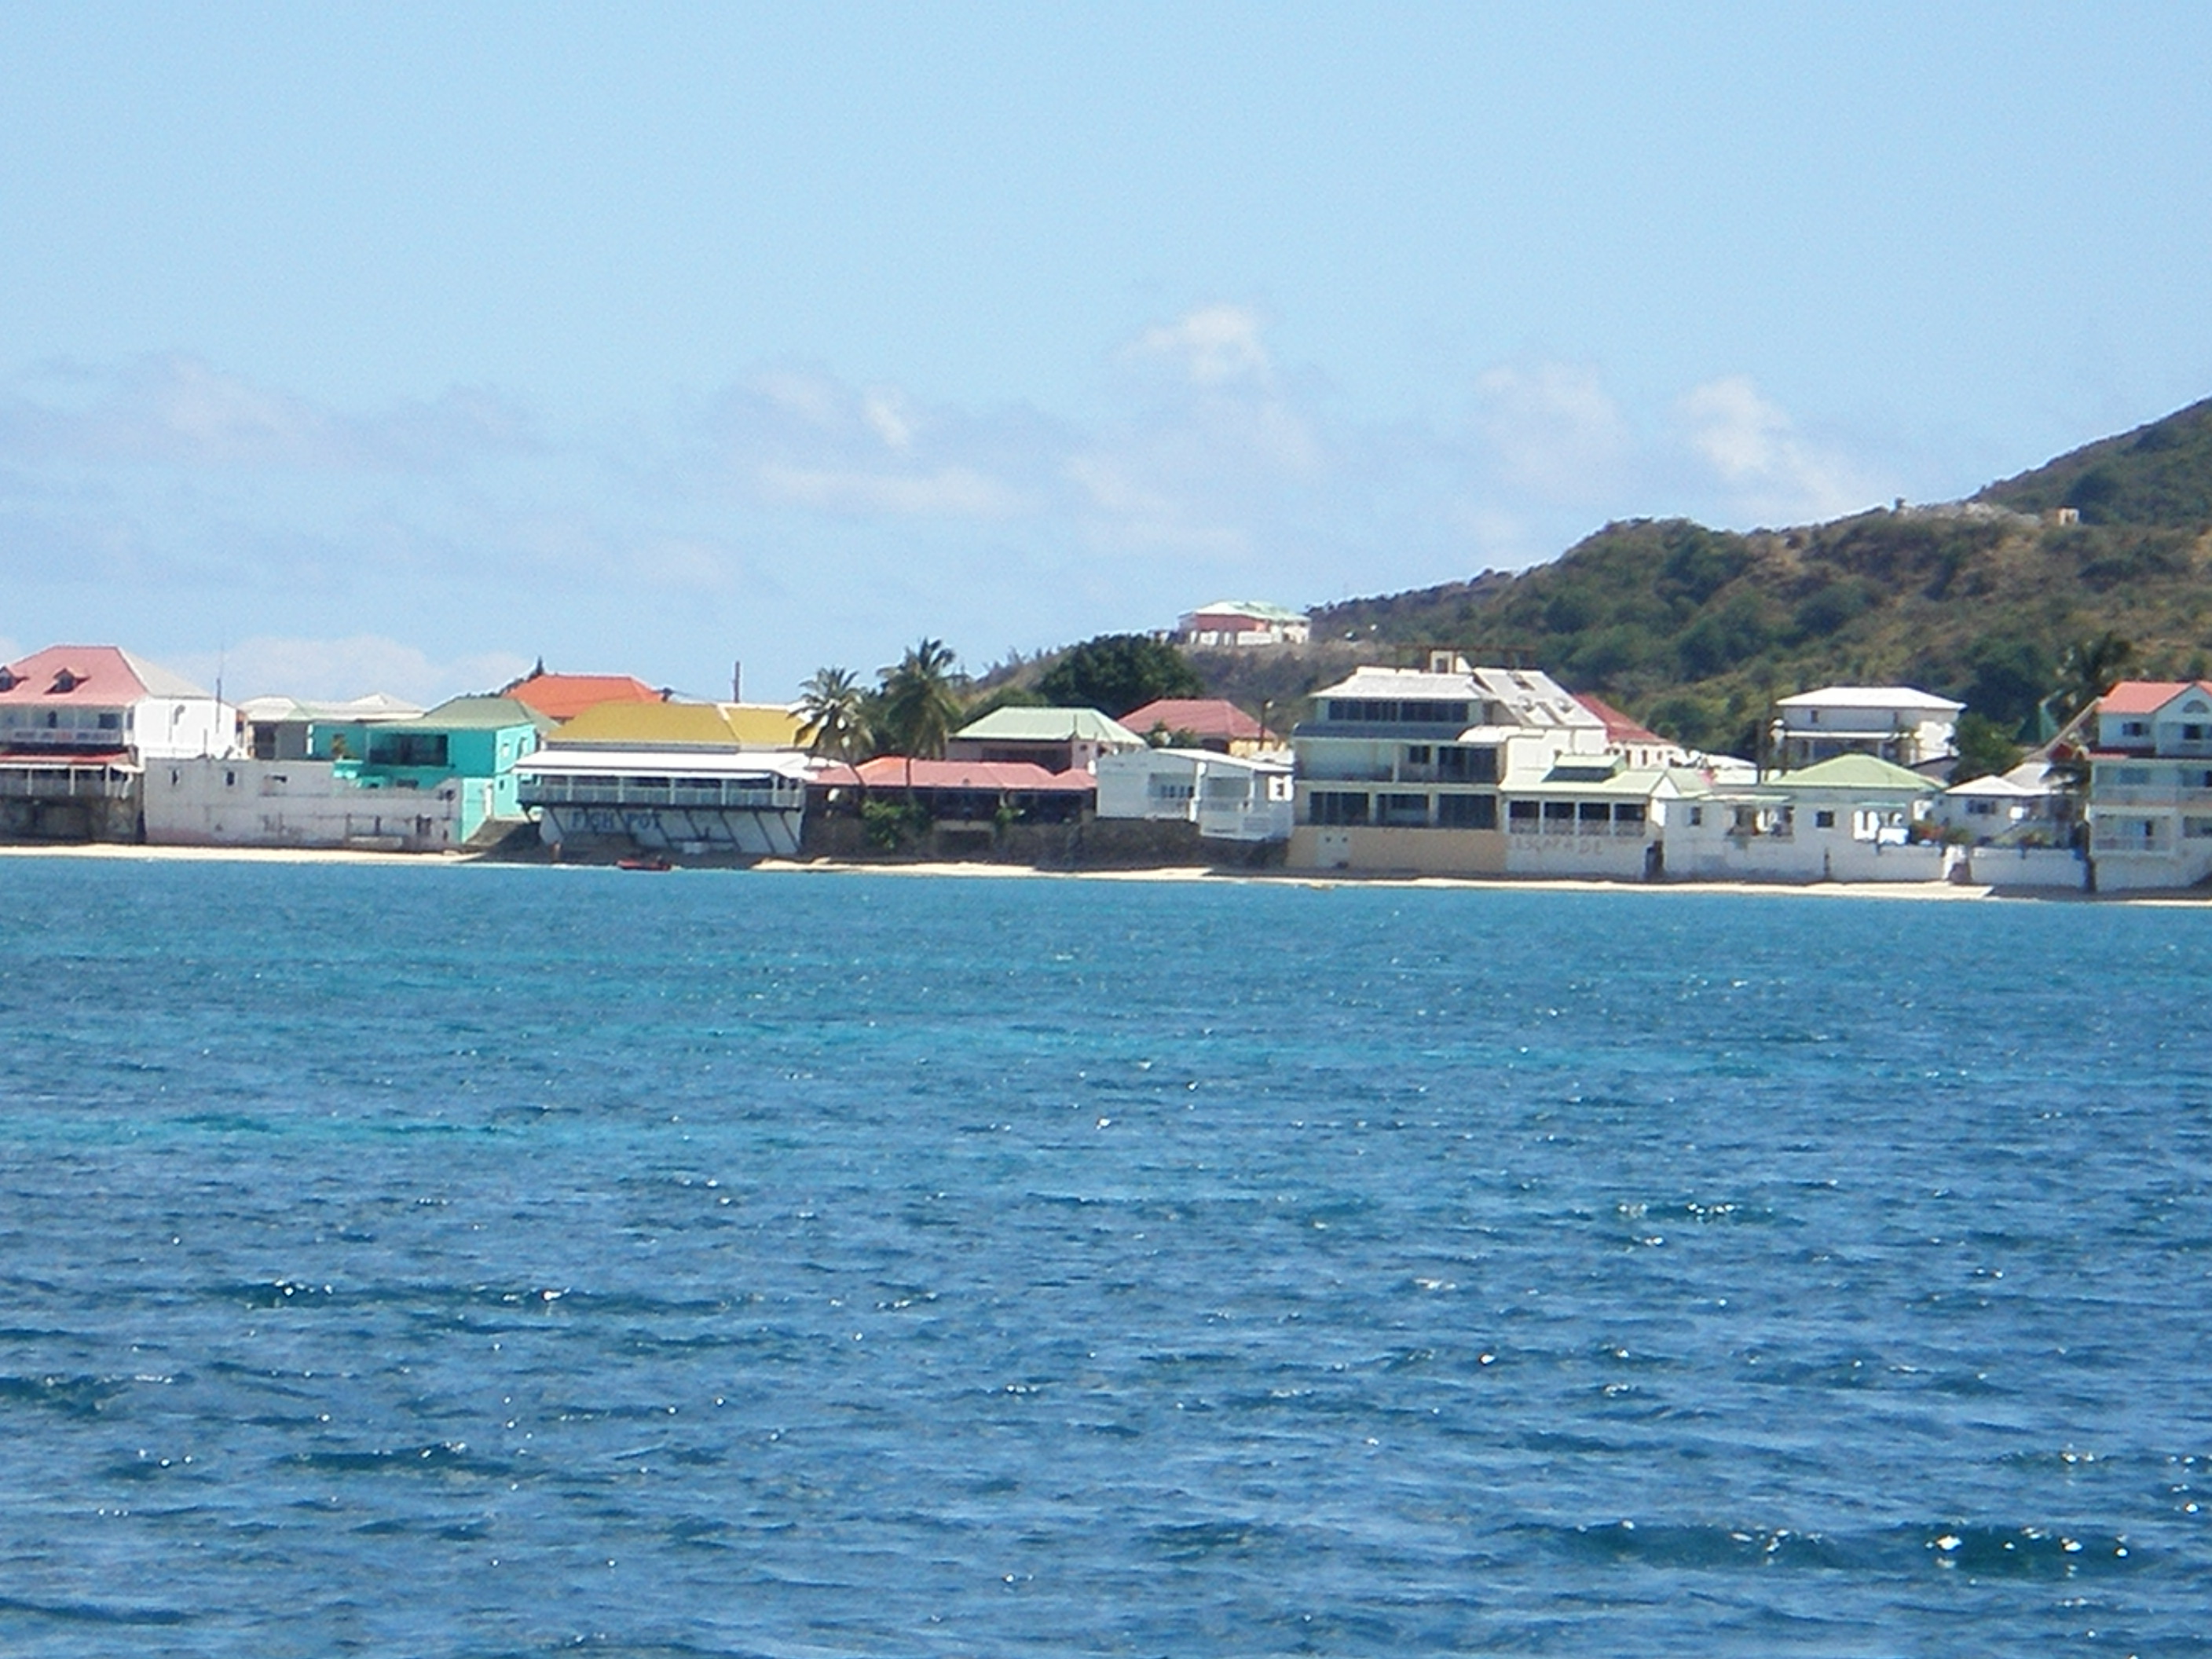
(392, 347)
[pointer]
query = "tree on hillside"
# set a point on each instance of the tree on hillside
(2089, 668)
(1985, 749)
(1116, 672)
(835, 708)
(919, 708)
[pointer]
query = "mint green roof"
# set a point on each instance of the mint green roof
(474, 715)
(1856, 772)
(1256, 607)
(1050, 726)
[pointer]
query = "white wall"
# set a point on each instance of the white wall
(164, 728)
(241, 802)
(2028, 866)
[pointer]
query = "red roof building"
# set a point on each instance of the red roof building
(1217, 723)
(967, 791)
(1637, 744)
(101, 700)
(564, 697)
(2145, 696)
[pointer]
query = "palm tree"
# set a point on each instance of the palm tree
(833, 706)
(920, 708)
(2089, 668)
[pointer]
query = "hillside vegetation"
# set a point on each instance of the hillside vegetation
(1696, 631)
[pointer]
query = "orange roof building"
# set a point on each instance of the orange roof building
(564, 697)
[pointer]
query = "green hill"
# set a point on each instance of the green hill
(1696, 631)
(2160, 474)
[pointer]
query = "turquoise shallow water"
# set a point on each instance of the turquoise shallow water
(506, 1261)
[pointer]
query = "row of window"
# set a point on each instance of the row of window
(1387, 711)
(62, 720)
(1409, 811)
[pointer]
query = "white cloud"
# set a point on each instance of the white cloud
(1757, 454)
(350, 668)
(1213, 344)
(176, 410)
(1554, 428)
(885, 413)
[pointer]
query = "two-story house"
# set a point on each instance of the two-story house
(78, 725)
(2150, 785)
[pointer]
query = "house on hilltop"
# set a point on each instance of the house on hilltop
(1241, 625)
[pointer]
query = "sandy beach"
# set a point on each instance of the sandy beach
(1942, 892)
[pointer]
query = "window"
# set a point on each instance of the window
(1696, 817)
(2135, 728)
(1825, 819)
(2197, 828)
(1520, 815)
(1336, 806)
(110, 722)
(1406, 811)
(1981, 809)
(1558, 816)
(1457, 765)
(1466, 812)
(2132, 776)
(1593, 815)
(1416, 753)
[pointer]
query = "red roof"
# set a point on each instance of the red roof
(88, 674)
(1001, 777)
(564, 697)
(1618, 728)
(1208, 717)
(2146, 697)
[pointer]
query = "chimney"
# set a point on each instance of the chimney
(736, 681)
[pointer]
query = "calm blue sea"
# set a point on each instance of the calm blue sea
(443, 1261)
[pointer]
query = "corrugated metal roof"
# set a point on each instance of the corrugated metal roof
(475, 714)
(2146, 697)
(1048, 725)
(1403, 685)
(1869, 696)
(1209, 717)
(1854, 772)
(1257, 609)
(1022, 777)
(709, 725)
(564, 697)
(96, 674)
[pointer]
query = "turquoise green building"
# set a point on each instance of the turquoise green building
(459, 756)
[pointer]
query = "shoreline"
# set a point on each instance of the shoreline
(1942, 892)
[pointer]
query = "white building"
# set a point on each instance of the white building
(1228, 796)
(1403, 769)
(1896, 723)
(2029, 803)
(2150, 785)
(1241, 625)
(240, 800)
(282, 728)
(1847, 818)
(78, 725)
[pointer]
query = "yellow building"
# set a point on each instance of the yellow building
(745, 725)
